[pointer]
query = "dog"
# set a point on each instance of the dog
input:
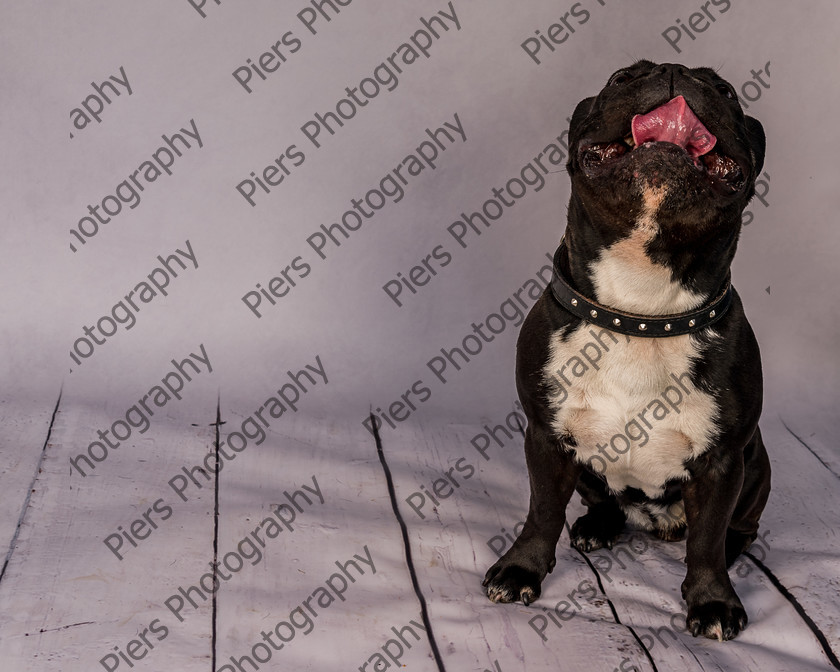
(637, 370)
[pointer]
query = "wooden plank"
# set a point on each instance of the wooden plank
(802, 519)
(66, 601)
(815, 433)
(26, 424)
(295, 607)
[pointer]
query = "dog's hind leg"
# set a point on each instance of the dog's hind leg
(600, 526)
(743, 528)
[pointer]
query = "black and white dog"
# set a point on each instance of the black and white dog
(637, 369)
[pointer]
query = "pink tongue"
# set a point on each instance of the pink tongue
(673, 122)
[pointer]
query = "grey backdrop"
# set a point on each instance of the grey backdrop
(180, 65)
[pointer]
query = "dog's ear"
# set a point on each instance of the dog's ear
(582, 109)
(755, 137)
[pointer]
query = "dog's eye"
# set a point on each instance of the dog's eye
(726, 90)
(621, 77)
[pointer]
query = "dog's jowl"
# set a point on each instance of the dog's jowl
(637, 369)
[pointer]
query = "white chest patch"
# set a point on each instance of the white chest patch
(630, 406)
(628, 402)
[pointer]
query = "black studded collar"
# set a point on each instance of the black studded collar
(648, 326)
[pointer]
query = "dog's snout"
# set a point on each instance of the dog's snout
(670, 72)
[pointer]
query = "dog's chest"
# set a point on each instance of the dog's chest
(627, 406)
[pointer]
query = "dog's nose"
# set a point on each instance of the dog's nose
(671, 71)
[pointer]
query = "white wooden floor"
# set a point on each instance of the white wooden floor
(325, 584)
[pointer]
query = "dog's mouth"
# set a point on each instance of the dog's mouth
(676, 124)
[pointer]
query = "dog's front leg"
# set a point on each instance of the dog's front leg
(553, 475)
(714, 609)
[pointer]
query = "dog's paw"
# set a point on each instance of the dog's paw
(591, 532)
(716, 620)
(511, 583)
(675, 533)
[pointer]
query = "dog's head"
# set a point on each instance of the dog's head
(666, 138)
